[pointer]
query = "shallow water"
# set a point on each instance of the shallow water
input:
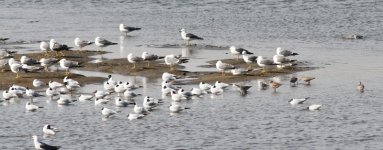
(260, 120)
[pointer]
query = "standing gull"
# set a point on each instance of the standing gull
(249, 59)
(239, 51)
(57, 47)
(15, 68)
(285, 52)
(100, 42)
(44, 46)
(263, 62)
(67, 64)
(47, 62)
(188, 36)
(134, 59)
(172, 60)
(125, 29)
(223, 67)
(149, 57)
(81, 43)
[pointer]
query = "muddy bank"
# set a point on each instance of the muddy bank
(8, 77)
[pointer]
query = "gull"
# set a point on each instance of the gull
(120, 102)
(149, 103)
(15, 68)
(6, 53)
(183, 93)
(134, 59)
(106, 112)
(139, 110)
(134, 116)
(85, 97)
(38, 83)
(262, 85)
(239, 51)
(263, 62)
(51, 92)
(188, 36)
(293, 81)
(28, 68)
(108, 87)
(242, 88)
(274, 85)
(42, 146)
(295, 101)
(307, 79)
(166, 90)
(47, 62)
(12, 61)
(3, 40)
(70, 81)
(100, 94)
(314, 107)
(197, 92)
(216, 90)
(57, 47)
(167, 83)
(360, 87)
(239, 71)
(126, 29)
(31, 93)
(129, 94)
(81, 43)
(18, 88)
(30, 107)
(71, 86)
(49, 130)
(353, 36)
(54, 84)
(111, 81)
(176, 107)
(168, 76)
(280, 60)
(221, 85)
(177, 97)
(64, 100)
(119, 89)
(223, 67)
(100, 42)
(285, 52)
(172, 60)
(9, 95)
(26, 60)
(99, 101)
(131, 86)
(67, 64)
(249, 59)
(149, 57)
(44, 46)
(204, 86)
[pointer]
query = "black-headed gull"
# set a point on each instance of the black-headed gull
(134, 116)
(314, 107)
(176, 107)
(106, 112)
(295, 101)
(49, 130)
(31, 107)
(38, 83)
(120, 102)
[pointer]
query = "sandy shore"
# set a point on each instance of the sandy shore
(122, 66)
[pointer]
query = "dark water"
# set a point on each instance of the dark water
(261, 120)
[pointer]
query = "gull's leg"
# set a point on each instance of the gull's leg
(134, 66)
(17, 75)
(148, 63)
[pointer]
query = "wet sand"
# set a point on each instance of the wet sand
(154, 70)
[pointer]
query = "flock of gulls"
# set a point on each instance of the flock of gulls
(123, 92)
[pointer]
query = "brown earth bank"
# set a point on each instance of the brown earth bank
(154, 70)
